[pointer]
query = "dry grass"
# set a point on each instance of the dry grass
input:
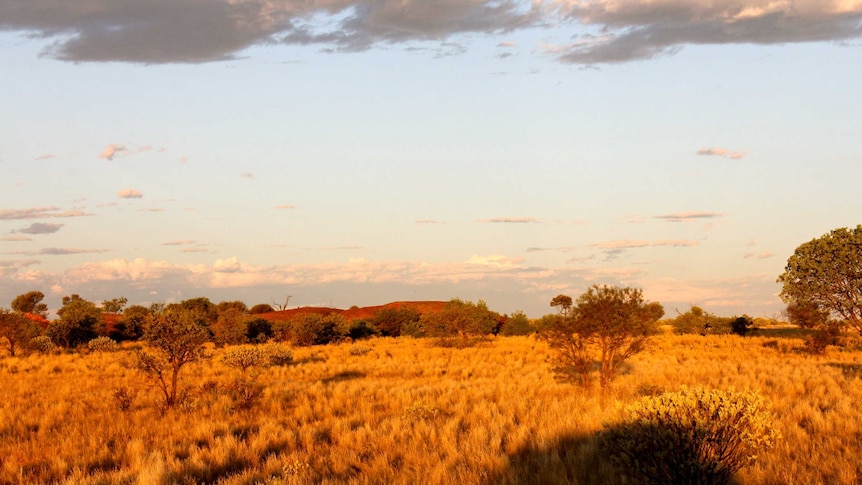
(405, 412)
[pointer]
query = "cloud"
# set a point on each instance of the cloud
(428, 221)
(111, 151)
(563, 249)
(721, 152)
(130, 194)
(688, 216)
(510, 220)
(46, 156)
(229, 265)
(247, 175)
(627, 244)
(16, 238)
(627, 30)
(183, 242)
(40, 228)
(8, 268)
(284, 206)
(763, 255)
(60, 252)
(38, 213)
(192, 31)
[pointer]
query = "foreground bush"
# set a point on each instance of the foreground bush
(693, 436)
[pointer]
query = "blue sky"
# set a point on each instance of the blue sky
(359, 152)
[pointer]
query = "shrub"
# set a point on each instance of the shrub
(103, 344)
(313, 329)
(245, 357)
(741, 325)
(391, 321)
(43, 344)
(420, 411)
(258, 330)
(693, 436)
(825, 335)
(260, 308)
(517, 324)
(278, 354)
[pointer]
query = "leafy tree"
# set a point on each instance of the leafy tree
(17, 330)
(30, 302)
(260, 308)
(131, 325)
(201, 310)
(175, 339)
(390, 321)
(313, 329)
(826, 274)
(614, 321)
(230, 328)
(517, 324)
(564, 302)
(78, 321)
(236, 305)
(114, 306)
(806, 315)
(741, 325)
(459, 318)
(258, 330)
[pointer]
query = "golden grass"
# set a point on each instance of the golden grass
(407, 412)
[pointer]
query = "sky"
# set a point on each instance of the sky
(357, 152)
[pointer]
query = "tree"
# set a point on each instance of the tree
(17, 329)
(741, 325)
(115, 305)
(230, 328)
(260, 308)
(131, 325)
(78, 321)
(564, 302)
(826, 274)
(459, 318)
(30, 302)
(390, 321)
(175, 339)
(201, 309)
(614, 321)
(236, 305)
(517, 324)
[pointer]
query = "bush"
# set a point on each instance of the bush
(103, 344)
(691, 436)
(391, 321)
(244, 357)
(741, 325)
(517, 324)
(260, 308)
(825, 335)
(313, 329)
(278, 354)
(43, 344)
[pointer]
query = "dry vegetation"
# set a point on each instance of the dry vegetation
(405, 412)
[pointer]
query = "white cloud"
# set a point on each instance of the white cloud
(111, 151)
(627, 244)
(721, 152)
(130, 194)
(510, 220)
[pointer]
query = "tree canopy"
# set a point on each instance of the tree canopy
(30, 302)
(825, 274)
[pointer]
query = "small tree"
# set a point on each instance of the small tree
(175, 339)
(78, 321)
(390, 322)
(615, 321)
(261, 308)
(230, 328)
(517, 324)
(825, 274)
(131, 325)
(564, 302)
(741, 325)
(30, 302)
(114, 306)
(459, 318)
(17, 330)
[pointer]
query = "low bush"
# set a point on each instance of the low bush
(278, 354)
(103, 344)
(694, 436)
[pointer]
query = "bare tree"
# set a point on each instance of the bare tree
(279, 307)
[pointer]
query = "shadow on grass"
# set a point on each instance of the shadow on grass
(578, 460)
(849, 370)
(781, 332)
(343, 376)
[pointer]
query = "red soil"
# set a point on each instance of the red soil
(354, 313)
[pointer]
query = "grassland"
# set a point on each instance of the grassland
(406, 412)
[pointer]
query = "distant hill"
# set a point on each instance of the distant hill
(354, 313)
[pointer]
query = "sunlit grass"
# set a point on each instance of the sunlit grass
(406, 412)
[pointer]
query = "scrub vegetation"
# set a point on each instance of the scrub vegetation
(432, 392)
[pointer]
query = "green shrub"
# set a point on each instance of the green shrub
(693, 436)
(517, 324)
(278, 354)
(245, 356)
(43, 344)
(103, 344)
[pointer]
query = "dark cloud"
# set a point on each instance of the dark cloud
(39, 213)
(634, 29)
(194, 31)
(40, 228)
